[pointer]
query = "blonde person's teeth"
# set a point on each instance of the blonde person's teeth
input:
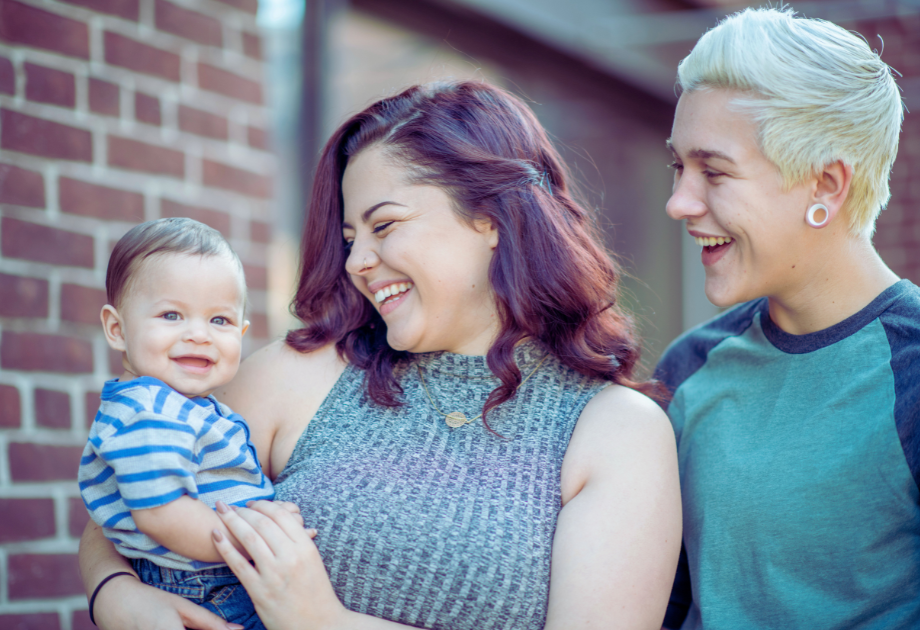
(710, 241)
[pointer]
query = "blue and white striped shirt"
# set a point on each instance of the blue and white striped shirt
(148, 446)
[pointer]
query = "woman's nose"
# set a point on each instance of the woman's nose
(360, 260)
(685, 201)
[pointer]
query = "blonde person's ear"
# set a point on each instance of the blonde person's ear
(245, 327)
(832, 188)
(112, 326)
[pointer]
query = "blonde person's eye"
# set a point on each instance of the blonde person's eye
(677, 166)
(220, 320)
(170, 316)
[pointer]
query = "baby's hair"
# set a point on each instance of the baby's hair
(164, 236)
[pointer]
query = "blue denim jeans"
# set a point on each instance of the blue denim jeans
(216, 589)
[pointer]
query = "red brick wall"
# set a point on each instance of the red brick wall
(112, 112)
(898, 233)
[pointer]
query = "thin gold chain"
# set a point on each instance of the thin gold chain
(447, 415)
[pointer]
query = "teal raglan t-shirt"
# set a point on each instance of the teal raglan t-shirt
(799, 462)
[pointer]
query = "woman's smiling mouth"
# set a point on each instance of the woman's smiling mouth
(392, 291)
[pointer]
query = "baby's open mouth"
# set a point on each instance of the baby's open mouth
(195, 362)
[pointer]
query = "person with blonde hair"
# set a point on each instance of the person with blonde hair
(797, 410)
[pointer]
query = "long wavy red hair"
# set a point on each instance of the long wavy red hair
(551, 278)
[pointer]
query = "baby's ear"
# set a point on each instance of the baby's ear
(111, 324)
(245, 327)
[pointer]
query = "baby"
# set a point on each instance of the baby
(162, 451)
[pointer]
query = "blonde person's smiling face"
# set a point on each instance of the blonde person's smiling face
(181, 320)
(725, 188)
(422, 267)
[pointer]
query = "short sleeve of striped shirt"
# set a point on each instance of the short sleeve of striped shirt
(144, 435)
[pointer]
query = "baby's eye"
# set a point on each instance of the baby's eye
(171, 316)
(220, 320)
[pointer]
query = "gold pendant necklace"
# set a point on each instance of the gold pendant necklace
(456, 419)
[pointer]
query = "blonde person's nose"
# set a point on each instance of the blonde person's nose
(685, 201)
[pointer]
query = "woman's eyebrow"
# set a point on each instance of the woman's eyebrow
(367, 213)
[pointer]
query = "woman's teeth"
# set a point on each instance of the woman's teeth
(390, 291)
(710, 241)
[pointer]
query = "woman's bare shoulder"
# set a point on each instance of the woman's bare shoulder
(619, 430)
(280, 372)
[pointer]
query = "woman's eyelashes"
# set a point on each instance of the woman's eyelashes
(381, 227)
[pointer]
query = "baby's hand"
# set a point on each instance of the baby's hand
(287, 505)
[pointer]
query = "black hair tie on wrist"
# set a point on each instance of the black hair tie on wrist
(92, 600)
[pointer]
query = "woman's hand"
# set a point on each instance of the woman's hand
(126, 603)
(288, 584)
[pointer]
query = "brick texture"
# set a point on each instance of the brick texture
(88, 149)
(31, 621)
(82, 304)
(249, 6)
(21, 296)
(260, 232)
(134, 155)
(26, 519)
(34, 575)
(147, 109)
(103, 97)
(127, 9)
(77, 517)
(52, 409)
(188, 24)
(91, 403)
(134, 55)
(236, 179)
(257, 138)
(202, 123)
(21, 187)
(10, 407)
(44, 138)
(29, 352)
(42, 462)
(218, 220)
(47, 85)
(256, 277)
(215, 79)
(93, 200)
(252, 45)
(7, 76)
(40, 243)
(29, 26)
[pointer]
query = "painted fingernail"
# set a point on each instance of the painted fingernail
(215, 533)
(235, 508)
(221, 507)
(312, 533)
(249, 504)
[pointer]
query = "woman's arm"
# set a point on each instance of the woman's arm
(125, 603)
(619, 532)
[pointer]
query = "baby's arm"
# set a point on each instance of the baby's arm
(184, 526)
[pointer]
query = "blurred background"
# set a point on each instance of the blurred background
(114, 112)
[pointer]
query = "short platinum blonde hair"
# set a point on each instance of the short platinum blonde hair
(819, 94)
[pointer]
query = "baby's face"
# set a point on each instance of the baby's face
(182, 322)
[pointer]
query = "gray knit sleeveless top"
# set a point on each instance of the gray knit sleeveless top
(431, 526)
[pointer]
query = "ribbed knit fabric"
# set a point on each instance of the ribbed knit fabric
(437, 527)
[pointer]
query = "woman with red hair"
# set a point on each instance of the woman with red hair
(457, 419)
